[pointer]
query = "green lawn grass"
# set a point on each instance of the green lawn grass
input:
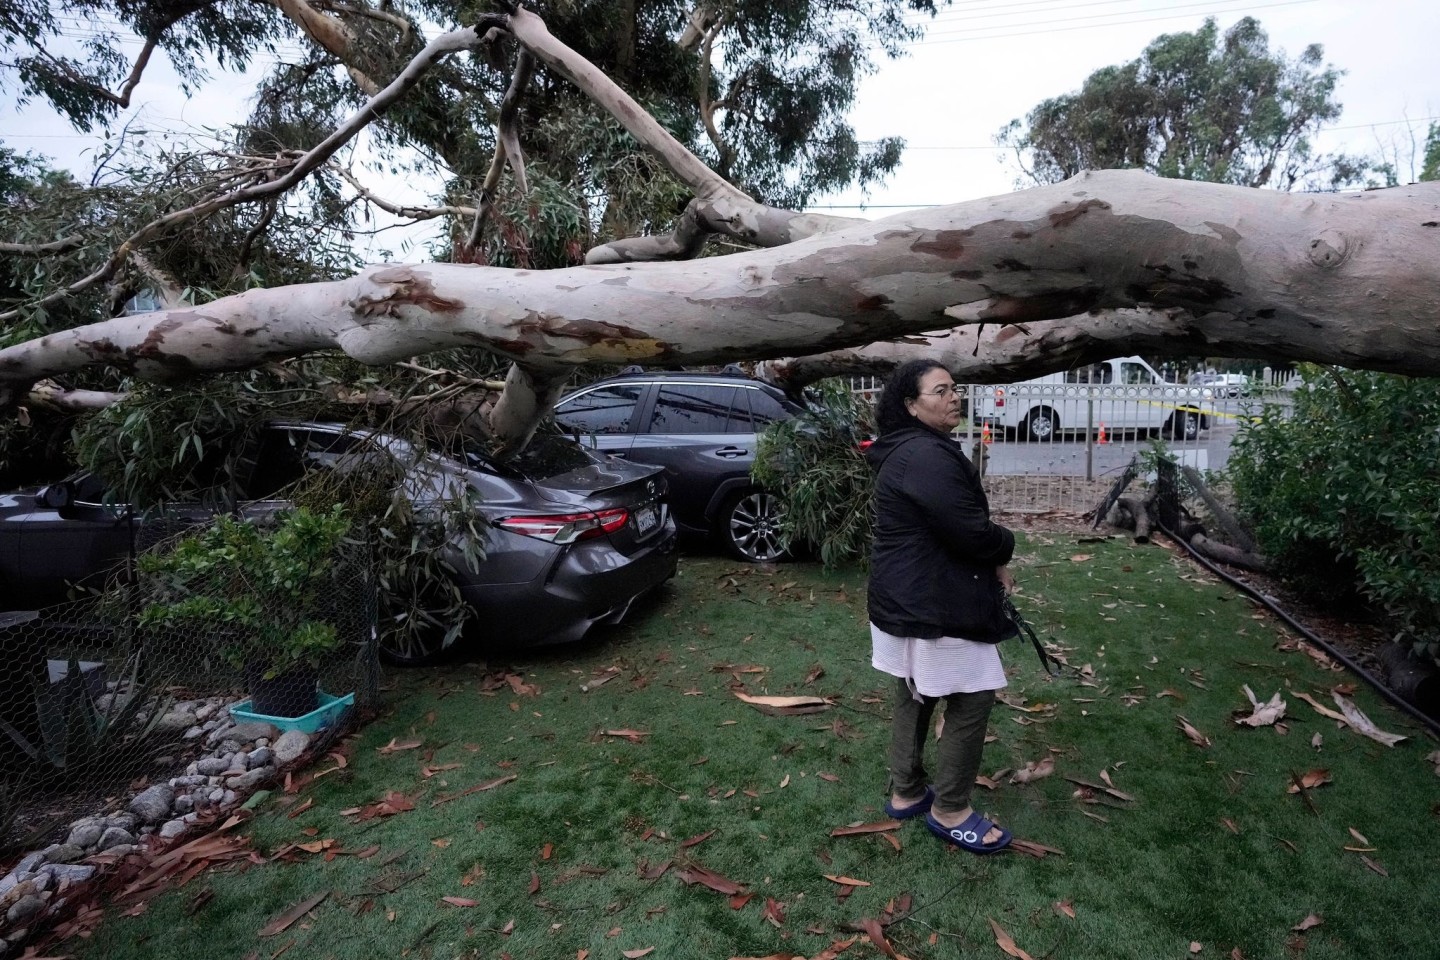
(1212, 849)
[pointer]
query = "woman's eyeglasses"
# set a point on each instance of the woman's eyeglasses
(943, 391)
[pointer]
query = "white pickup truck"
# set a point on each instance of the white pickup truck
(1124, 395)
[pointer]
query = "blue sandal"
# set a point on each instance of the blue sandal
(914, 810)
(968, 835)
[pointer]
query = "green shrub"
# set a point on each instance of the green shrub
(814, 464)
(1345, 494)
(260, 589)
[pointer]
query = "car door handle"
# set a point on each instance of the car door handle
(730, 453)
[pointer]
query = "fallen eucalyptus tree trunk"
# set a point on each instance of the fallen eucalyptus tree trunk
(1345, 279)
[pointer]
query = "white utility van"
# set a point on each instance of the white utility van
(1124, 395)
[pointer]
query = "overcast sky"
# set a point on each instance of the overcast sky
(983, 63)
(986, 62)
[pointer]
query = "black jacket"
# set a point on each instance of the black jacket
(932, 566)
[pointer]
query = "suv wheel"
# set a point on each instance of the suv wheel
(749, 526)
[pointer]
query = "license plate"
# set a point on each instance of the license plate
(646, 519)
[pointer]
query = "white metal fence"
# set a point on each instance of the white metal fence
(1057, 448)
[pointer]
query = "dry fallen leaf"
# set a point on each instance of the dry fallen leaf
(1066, 907)
(693, 873)
(1004, 942)
(1310, 780)
(1195, 946)
(634, 954)
(1320, 708)
(395, 746)
(1359, 837)
(1196, 737)
(460, 901)
(1034, 770)
(1361, 724)
(1311, 921)
(784, 705)
(697, 839)
(634, 736)
(1262, 714)
(282, 923)
(847, 881)
(1374, 866)
(854, 829)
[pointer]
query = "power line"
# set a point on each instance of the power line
(1092, 26)
(1075, 6)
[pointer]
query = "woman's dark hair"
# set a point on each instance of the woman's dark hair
(903, 384)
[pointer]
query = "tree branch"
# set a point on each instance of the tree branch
(507, 145)
(63, 245)
(723, 208)
(299, 169)
(399, 210)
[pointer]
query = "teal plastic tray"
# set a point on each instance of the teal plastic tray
(322, 716)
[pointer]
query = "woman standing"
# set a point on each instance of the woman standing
(937, 577)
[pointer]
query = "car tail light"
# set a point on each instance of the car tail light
(999, 397)
(567, 527)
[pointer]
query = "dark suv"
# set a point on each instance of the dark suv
(702, 428)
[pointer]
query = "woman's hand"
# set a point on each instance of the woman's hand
(1007, 580)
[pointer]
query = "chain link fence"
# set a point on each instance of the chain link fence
(137, 684)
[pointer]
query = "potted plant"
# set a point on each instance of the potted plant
(262, 593)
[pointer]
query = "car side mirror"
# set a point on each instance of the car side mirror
(56, 496)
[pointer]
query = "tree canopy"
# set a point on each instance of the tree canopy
(1205, 105)
(1045, 277)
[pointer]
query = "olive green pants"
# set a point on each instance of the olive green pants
(958, 752)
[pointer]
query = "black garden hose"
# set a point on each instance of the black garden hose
(1430, 723)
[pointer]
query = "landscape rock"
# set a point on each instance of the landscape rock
(29, 862)
(153, 804)
(175, 721)
(173, 828)
(245, 732)
(125, 821)
(291, 744)
(115, 837)
(85, 835)
(251, 779)
(71, 873)
(259, 757)
(24, 909)
(213, 766)
(63, 853)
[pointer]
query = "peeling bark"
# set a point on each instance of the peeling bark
(1352, 280)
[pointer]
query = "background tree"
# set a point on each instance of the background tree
(759, 90)
(1431, 164)
(1195, 106)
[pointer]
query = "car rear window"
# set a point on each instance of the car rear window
(546, 455)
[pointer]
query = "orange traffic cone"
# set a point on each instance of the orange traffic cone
(1102, 438)
(985, 437)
